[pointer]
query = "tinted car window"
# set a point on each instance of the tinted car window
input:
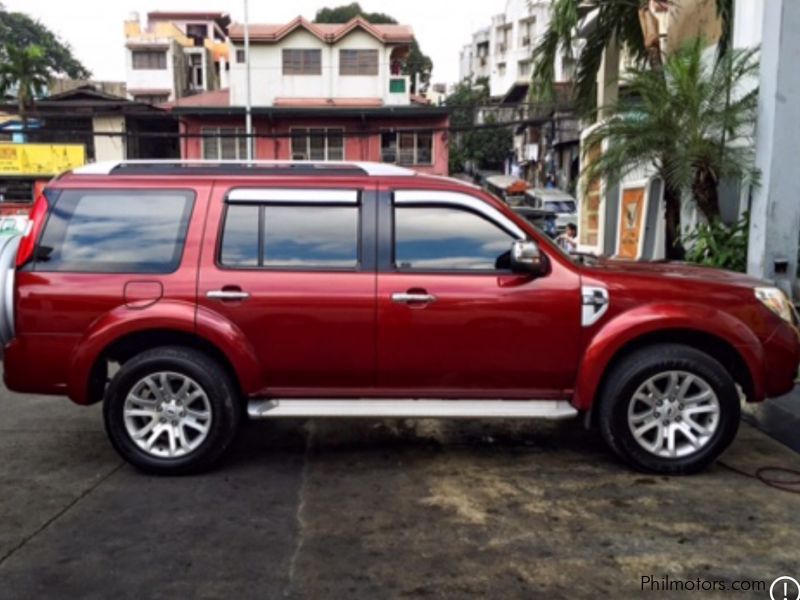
(436, 238)
(116, 231)
(240, 236)
(301, 236)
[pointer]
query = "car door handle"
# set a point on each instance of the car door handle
(408, 298)
(227, 295)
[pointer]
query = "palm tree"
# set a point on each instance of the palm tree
(693, 123)
(628, 22)
(26, 69)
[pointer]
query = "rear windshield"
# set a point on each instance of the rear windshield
(560, 206)
(115, 231)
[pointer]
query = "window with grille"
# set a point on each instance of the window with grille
(149, 59)
(407, 148)
(302, 61)
(317, 144)
(224, 143)
(358, 62)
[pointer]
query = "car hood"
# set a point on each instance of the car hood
(677, 270)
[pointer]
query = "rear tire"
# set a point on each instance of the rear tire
(171, 411)
(669, 409)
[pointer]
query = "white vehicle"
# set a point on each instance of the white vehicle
(557, 201)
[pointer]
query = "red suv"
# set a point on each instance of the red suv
(188, 296)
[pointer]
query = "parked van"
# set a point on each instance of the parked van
(188, 296)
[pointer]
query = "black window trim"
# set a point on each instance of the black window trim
(35, 265)
(364, 258)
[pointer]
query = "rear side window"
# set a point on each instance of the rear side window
(304, 236)
(116, 231)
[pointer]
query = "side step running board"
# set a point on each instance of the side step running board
(401, 408)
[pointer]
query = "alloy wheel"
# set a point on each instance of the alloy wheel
(167, 414)
(673, 414)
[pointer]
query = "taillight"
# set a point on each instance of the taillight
(37, 218)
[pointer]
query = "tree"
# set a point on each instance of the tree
(693, 123)
(629, 22)
(417, 61)
(486, 145)
(18, 30)
(26, 69)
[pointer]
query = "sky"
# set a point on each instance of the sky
(94, 28)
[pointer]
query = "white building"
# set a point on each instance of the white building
(503, 51)
(176, 54)
(304, 61)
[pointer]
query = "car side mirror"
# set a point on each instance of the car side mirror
(527, 258)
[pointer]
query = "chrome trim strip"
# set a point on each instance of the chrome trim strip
(410, 408)
(227, 295)
(403, 298)
(292, 195)
(463, 200)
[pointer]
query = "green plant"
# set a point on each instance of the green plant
(623, 21)
(26, 69)
(718, 245)
(692, 122)
(18, 30)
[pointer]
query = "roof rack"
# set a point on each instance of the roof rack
(242, 167)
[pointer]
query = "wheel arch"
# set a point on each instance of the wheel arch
(123, 333)
(721, 336)
(126, 347)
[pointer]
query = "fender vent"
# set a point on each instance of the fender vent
(595, 304)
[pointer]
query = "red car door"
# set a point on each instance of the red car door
(454, 321)
(293, 269)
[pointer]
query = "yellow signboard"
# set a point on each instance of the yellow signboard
(40, 159)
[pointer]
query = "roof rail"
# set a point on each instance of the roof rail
(242, 167)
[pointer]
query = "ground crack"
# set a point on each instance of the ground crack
(58, 515)
(301, 525)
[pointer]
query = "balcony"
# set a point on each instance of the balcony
(399, 90)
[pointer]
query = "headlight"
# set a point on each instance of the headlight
(775, 300)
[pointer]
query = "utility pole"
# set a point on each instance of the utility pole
(248, 119)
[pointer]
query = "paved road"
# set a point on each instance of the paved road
(375, 509)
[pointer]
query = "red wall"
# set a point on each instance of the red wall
(366, 147)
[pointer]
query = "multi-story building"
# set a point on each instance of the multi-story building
(176, 54)
(546, 149)
(503, 52)
(319, 92)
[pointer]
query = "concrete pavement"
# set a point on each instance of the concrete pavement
(366, 509)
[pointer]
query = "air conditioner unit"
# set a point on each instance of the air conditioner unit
(299, 156)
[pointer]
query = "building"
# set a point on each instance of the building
(546, 148)
(176, 54)
(102, 125)
(774, 208)
(626, 220)
(319, 92)
(503, 52)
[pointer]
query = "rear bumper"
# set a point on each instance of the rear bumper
(37, 364)
(781, 360)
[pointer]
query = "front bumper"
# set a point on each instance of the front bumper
(781, 360)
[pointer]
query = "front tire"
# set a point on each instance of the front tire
(171, 411)
(669, 409)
